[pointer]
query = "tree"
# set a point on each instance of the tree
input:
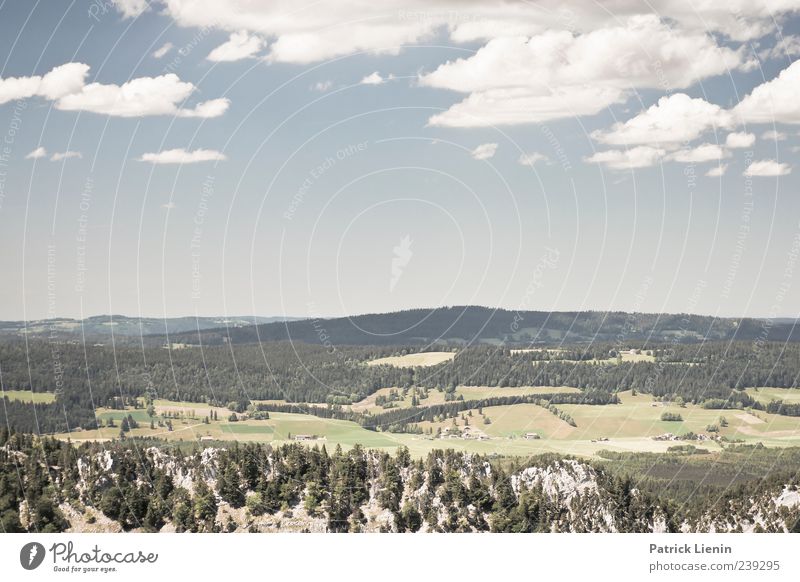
(205, 507)
(111, 502)
(410, 518)
(229, 486)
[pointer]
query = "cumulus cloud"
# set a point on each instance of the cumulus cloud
(532, 158)
(540, 61)
(306, 31)
(206, 109)
(774, 101)
(674, 120)
(517, 106)
(66, 85)
(60, 81)
(717, 171)
(773, 135)
(182, 156)
(560, 74)
(130, 8)
(739, 140)
(628, 159)
(375, 79)
(162, 51)
(785, 47)
(39, 152)
(706, 152)
(69, 154)
(767, 168)
(484, 151)
(240, 45)
(141, 97)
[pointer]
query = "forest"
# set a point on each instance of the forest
(466, 325)
(85, 377)
(45, 483)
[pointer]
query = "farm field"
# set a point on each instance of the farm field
(479, 392)
(467, 392)
(28, 396)
(413, 360)
(626, 356)
(767, 395)
(369, 403)
(628, 426)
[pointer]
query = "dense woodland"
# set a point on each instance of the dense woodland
(141, 487)
(470, 324)
(87, 377)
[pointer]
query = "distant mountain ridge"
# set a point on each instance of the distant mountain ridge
(101, 326)
(470, 324)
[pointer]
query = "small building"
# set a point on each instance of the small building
(531, 436)
(305, 437)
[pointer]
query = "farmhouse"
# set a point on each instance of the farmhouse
(531, 436)
(305, 437)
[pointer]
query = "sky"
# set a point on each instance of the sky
(235, 157)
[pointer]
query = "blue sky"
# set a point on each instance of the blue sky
(188, 157)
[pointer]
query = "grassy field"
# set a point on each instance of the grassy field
(413, 360)
(767, 395)
(467, 392)
(479, 392)
(625, 357)
(28, 396)
(628, 426)
(279, 427)
(368, 403)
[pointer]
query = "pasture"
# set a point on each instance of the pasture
(28, 396)
(628, 426)
(423, 359)
(767, 395)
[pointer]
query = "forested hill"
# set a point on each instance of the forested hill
(100, 327)
(466, 325)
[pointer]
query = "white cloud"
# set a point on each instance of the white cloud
(240, 45)
(130, 8)
(59, 156)
(558, 74)
(309, 31)
(322, 86)
(181, 156)
(767, 168)
(206, 109)
(66, 85)
(674, 120)
(774, 101)
(739, 140)
(518, 106)
(375, 79)
(141, 97)
(773, 135)
(706, 152)
(484, 151)
(39, 152)
(163, 50)
(60, 81)
(785, 47)
(717, 171)
(628, 159)
(532, 158)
